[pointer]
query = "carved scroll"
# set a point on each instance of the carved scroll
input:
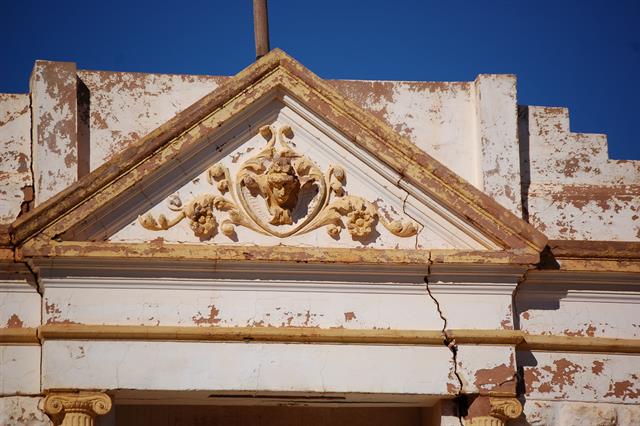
(278, 192)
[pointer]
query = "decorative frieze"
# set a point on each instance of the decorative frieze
(278, 192)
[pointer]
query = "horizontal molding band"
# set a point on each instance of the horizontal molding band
(240, 334)
(19, 336)
(516, 338)
(538, 342)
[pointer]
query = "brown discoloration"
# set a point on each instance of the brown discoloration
(27, 199)
(14, 321)
(581, 195)
(501, 378)
(531, 381)
(564, 372)
(55, 313)
(13, 114)
(597, 367)
(596, 249)
(620, 256)
(211, 319)
(55, 112)
(349, 316)
(316, 255)
(589, 331)
(506, 324)
(479, 406)
(625, 389)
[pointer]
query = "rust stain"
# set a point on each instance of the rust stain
(501, 378)
(560, 377)
(14, 321)
(589, 331)
(597, 367)
(349, 316)
(624, 389)
(212, 319)
(532, 379)
(564, 372)
(506, 324)
(55, 312)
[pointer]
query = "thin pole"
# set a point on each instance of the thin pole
(261, 27)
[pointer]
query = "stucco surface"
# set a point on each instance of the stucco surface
(575, 191)
(119, 107)
(22, 411)
(54, 127)
(16, 181)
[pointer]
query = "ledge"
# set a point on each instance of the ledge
(517, 338)
(19, 336)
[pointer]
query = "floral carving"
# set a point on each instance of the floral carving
(200, 213)
(278, 192)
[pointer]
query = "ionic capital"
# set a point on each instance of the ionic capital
(497, 411)
(76, 409)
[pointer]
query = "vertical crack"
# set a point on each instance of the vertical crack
(450, 343)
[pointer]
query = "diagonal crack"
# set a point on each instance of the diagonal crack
(404, 211)
(450, 343)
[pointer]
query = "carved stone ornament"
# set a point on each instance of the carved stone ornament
(278, 192)
(501, 411)
(76, 409)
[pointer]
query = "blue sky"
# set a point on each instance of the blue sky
(581, 54)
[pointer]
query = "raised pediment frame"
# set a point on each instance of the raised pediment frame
(41, 232)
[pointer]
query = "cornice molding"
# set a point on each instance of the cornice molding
(598, 279)
(286, 254)
(234, 285)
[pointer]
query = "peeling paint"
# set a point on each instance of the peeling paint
(14, 321)
(211, 319)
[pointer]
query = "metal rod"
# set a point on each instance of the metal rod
(261, 27)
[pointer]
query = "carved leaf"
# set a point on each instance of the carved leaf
(401, 228)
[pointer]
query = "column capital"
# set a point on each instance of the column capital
(86, 405)
(493, 411)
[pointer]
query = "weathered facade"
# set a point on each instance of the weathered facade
(274, 248)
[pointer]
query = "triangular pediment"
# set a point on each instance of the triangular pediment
(274, 157)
